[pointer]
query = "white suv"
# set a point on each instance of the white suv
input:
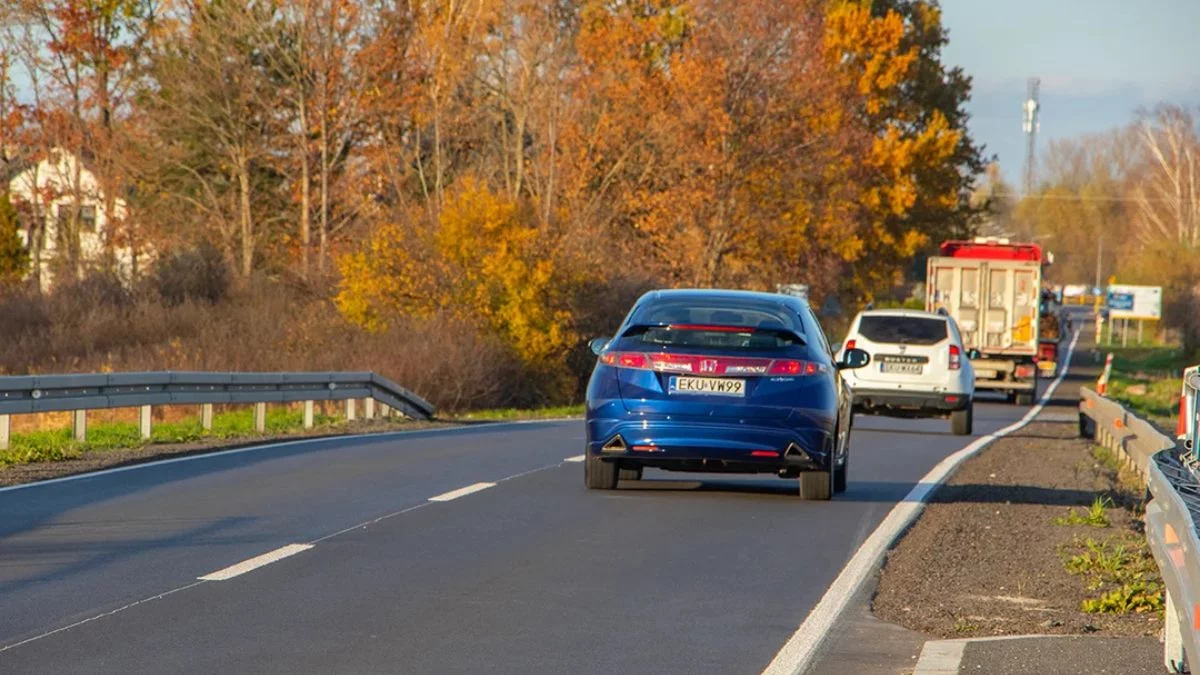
(919, 367)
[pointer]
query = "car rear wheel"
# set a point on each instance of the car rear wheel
(599, 474)
(629, 473)
(816, 485)
(962, 421)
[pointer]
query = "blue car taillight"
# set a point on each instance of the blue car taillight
(664, 362)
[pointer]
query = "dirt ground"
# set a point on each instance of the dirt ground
(108, 459)
(986, 556)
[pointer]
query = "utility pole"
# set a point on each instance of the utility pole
(1030, 125)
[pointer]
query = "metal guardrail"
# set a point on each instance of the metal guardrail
(1171, 513)
(80, 393)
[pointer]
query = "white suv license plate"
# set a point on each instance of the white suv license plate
(901, 368)
(713, 386)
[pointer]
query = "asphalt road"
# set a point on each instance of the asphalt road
(676, 574)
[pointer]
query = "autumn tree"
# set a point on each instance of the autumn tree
(320, 81)
(14, 258)
(1166, 212)
(1079, 209)
(218, 124)
(1167, 197)
(921, 163)
(83, 61)
(483, 263)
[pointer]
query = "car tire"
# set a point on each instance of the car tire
(840, 475)
(962, 421)
(599, 474)
(816, 485)
(1024, 398)
(629, 473)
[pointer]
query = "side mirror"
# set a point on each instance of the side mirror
(973, 354)
(597, 345)
(854, 358)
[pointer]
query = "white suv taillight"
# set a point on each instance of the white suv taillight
(955, 357)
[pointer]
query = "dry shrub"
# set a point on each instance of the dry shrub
(97, 326)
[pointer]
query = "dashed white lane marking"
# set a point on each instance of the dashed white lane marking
(461, 492)
(256, 562)
(576, 458)
(797, 654)
(203, 580)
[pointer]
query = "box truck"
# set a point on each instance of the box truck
(992, 288)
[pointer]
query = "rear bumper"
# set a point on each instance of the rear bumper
(913, 403)
(747, 446)
(1000, 372)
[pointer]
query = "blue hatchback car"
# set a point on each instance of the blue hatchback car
(720, 381)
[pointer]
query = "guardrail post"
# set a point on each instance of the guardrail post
(308, 414)
(5, 431)
(145, 423)
(385, 410)
(1172, 637)
(369, 408)
(350, 414)
(79, 425)
(260, 417)
(206, 416)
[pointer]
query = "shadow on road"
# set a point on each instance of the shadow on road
(864, 491)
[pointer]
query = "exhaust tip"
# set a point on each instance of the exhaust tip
(614, 444)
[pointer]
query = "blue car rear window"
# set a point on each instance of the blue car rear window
(750, 339)
(758, 315)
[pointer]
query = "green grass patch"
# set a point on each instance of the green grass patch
(1120, 571)
(1106, 458)
(1095, 515)
(1157, 361)
(57, 445)
(523, 414)
(1146, 380)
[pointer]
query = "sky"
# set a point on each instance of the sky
(1098, 60)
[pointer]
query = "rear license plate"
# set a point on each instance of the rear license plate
(901, 368)
(985, 374)
(716, 386)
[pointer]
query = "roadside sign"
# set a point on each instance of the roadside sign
(1134, 302)
(797, 290)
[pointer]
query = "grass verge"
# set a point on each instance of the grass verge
(59, 445)
(56, 445)
(500, 414)
(1147, 380)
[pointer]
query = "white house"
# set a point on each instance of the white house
(43, 189)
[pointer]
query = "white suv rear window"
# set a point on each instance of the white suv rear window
(911, 330)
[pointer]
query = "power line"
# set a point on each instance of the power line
(1077, 198)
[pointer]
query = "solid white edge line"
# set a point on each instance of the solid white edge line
(576, 458)
(256, 562)
(797, 653)
(461, 492)
(382, 436)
